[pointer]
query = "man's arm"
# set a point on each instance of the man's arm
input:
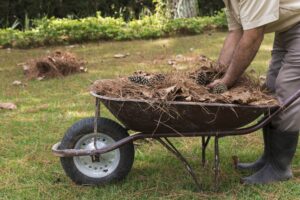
(230, 44)
(242, 57)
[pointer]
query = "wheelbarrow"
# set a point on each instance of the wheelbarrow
(97, 150)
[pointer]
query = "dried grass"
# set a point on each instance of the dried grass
(181, 86)
(56, 64)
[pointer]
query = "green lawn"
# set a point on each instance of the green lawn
(47, 108)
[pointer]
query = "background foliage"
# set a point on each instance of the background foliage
(210, 7)
(16, 10)
(16, 13)
(65, 31)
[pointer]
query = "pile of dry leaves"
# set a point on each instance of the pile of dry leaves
(183, 86)
(56, 64)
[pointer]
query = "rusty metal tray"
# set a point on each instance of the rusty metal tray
(182, 117)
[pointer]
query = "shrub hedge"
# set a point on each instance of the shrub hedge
(67, 31)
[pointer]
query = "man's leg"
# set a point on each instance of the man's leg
(288, 82)
(278, 54)
(285, 127)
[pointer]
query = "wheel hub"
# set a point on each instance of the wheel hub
(96, 166)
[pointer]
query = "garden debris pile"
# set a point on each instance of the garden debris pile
(56, 64)
(188, 85)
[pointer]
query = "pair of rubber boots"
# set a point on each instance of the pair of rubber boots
(274, 164)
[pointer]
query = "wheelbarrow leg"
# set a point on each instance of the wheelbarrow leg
(217, 163)
(97, 116)
(169, 146)
(204, 145)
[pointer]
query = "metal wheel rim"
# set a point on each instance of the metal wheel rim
(108, 161)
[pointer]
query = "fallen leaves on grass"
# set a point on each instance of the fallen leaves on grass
(18, 83)
(120, 55)
(8, 106)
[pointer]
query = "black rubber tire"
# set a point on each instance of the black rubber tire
(105, 126)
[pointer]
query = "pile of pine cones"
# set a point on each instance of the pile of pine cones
(143, 78)
(202, 77)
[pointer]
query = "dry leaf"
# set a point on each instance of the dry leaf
(170, 89)
(189, 98)
(83, 69)
(70, 46)
(17, 83)
(147, 94)
(171, 62)
(26, 68)
(179, 57)
(120, 55)
(21, 64)
(180, 67)
(52, 59)
(8, 106)
(40, 78)
(242, 98)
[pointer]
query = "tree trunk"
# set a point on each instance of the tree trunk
(183, 8)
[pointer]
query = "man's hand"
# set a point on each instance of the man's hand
(215, 83)
(217, 87)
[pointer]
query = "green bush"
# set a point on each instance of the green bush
(16, 11)
(66, 31)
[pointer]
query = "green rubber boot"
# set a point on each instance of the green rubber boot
(259, 163)
(282, 150)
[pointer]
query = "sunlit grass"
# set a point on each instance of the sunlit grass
(47, 108)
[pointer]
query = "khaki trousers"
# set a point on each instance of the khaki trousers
(283, 77)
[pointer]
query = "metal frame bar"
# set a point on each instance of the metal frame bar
(205, 142)
(169, 146)
(97, 116)
(217, 163)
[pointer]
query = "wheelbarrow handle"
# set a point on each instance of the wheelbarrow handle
(291, 100)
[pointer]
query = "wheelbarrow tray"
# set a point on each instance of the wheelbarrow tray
(150, 117)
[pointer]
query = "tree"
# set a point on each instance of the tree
(184, 8)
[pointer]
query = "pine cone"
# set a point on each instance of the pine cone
(219, 89)
(139, 80)
(158, 78)
(201, 78)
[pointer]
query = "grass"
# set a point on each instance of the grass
(47, 108)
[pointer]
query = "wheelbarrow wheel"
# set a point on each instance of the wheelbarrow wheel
(100, 169)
